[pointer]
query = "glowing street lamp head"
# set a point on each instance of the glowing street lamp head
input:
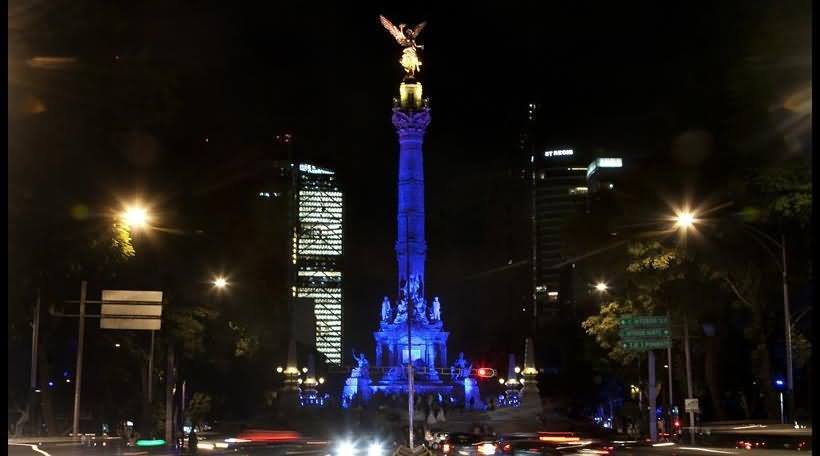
(601, 287)
(685, 220)
(135, 217)
(220, 282)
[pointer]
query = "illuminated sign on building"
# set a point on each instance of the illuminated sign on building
(558, 153)
(306, 168)
(603, 163)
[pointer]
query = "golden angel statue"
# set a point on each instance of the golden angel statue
(406, 37)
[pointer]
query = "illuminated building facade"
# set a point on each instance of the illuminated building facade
(560, 190)
(602, 174)
(316, 254)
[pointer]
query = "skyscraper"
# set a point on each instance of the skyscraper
(316, 253)
(602, 174)
(560, 189)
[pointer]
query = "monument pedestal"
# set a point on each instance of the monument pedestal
(356, 386)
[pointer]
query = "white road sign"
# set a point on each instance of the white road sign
(691, 405)
(131, 309)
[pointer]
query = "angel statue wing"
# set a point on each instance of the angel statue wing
(418, 29)
(397, 34)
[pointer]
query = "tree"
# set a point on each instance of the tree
(200, 408)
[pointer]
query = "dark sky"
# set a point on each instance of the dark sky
(622, 75)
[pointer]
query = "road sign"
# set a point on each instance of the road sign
(644, 344)
(644, 321)
(691, 405)
(642, 333)
(131, 309)
(633, 332)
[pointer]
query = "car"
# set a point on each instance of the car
(573, 443)
(467, 444)
(435, 438)
(567, 443)
(527, 447)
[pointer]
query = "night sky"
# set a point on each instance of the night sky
(626, 76)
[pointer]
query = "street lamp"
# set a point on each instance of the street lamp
(135, 217)
(685, 219)
(220, 282)
(784, 277)
(601, 287)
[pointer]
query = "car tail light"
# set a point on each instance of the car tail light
(506, 448)
(557, 438)
(445, 448)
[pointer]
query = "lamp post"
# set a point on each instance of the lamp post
(684, 221)
(782, 265)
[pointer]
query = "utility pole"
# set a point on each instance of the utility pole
(670, 425)
(79, 369)
(650, 391)
(151, 371)
(35, 329)
(787, 318)
(671, 397)
(688, 376)
(35, 338)
(170, 380)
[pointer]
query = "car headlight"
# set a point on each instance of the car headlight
(346, 448)
(486, 448)
(375, 449)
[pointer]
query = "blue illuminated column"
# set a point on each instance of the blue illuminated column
(411, 247)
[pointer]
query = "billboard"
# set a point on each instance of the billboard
(604, 163)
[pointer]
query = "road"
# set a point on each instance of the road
(65, 449)
(686, 450)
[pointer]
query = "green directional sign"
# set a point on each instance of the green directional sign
(644, 344)
(643, 321)
(631, 332)
(644, 332)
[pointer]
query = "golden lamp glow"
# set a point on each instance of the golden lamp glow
(685, 220)
(220, 282)
(135, 217)
(601, 287)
